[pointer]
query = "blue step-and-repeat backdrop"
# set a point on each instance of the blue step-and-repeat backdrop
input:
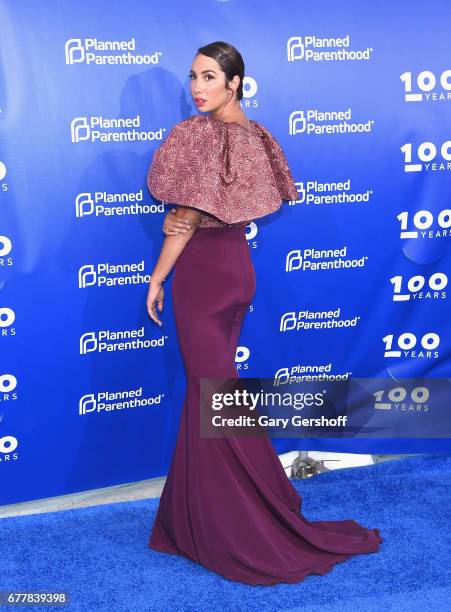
(352, 278)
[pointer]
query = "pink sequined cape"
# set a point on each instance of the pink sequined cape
(231, 173)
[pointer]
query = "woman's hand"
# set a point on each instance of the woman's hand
(155, 296)
(173, 225)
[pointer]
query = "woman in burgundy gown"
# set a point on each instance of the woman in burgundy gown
(227, 503)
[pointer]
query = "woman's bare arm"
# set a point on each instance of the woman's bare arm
(174, 245)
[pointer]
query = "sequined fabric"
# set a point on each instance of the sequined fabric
(229, 172)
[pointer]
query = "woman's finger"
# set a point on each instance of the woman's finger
(174, 231)
(179, 225)
(153, 315)
(178, 221)
(150, 303)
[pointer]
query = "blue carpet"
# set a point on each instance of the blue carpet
(100, 555)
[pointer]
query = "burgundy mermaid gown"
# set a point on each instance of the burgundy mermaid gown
(227, 503)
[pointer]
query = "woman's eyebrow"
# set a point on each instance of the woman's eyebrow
(203, 71)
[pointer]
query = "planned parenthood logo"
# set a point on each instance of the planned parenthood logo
(336, 192)
(313, 121)
(104, 204)
(426, 86)
(116, 341)
(95, 129)
(311, 320)
(112, 275)
(298, 373)
(326, 259)
(316, 49)
(106, 52)
(112, 401)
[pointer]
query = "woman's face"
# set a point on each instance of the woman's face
(208, 87)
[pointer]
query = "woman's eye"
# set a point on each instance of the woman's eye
(208, 76)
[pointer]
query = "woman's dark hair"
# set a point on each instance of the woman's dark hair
(230, 60)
